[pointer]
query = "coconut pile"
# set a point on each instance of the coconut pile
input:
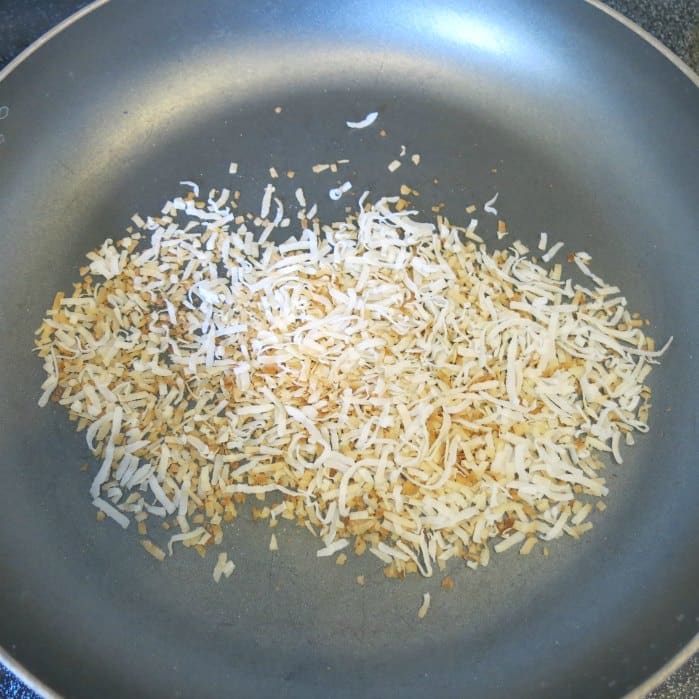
(385, 381)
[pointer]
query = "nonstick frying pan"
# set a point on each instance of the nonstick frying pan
(586, 131)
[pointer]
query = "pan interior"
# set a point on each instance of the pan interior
(546, 105)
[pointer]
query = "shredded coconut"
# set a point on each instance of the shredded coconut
(368, 120)
(386, 381)
(489, 208)
(424, 607)
(336, 193)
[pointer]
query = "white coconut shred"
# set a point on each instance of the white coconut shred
(389, 382)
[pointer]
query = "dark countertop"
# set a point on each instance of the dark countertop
(674, 22)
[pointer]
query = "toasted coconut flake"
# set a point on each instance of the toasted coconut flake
(220, 567)
(336, 193)
(266, 201)
(616, 441)
(424, 607)
(528, 546)
(368, 120)
(394, 165)
(192, 185)
(139, 221)
(489, 208)
(103, 473)
(509, 542)
(188, 538)
(581, 515)
(273, 545)
(550, 254)
(153, 550)
(332, 548)
(110, 511)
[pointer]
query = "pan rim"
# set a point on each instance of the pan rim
(660, 675)
(45, 38)
(643, 34)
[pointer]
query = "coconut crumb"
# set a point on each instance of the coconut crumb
(153, 550)
(448, 583)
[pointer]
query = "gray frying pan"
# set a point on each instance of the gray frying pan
(586, 131)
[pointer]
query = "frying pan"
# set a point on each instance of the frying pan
(585, 130)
